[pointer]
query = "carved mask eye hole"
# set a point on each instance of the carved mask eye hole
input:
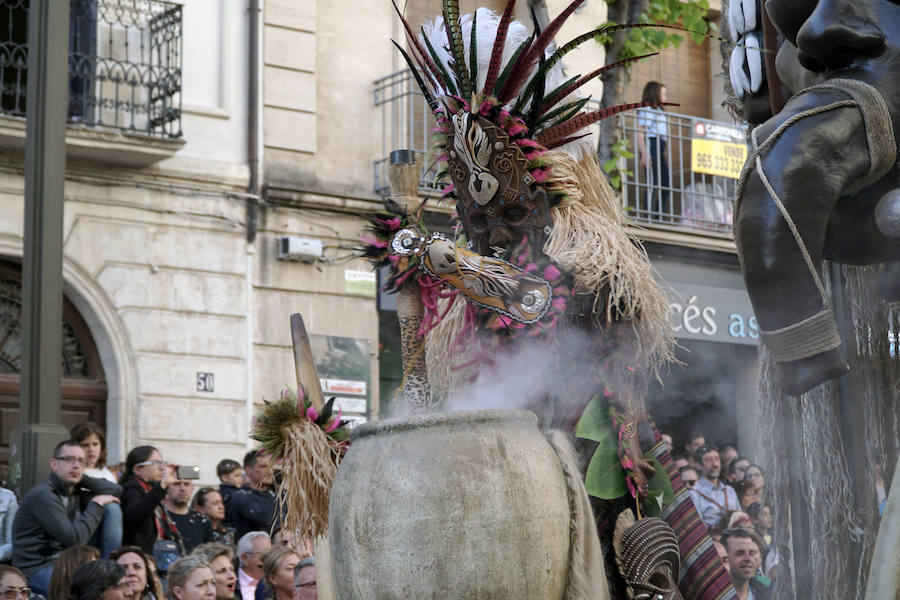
(515, 215)
(479, 222)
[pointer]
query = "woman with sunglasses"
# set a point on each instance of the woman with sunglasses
(144, 486)
(12, 584)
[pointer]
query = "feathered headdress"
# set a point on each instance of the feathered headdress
(513, 144)
(490, 63)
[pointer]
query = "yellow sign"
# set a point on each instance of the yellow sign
(718, 158)
(718, 149)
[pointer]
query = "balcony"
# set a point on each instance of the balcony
(124, 103)
(698, 203)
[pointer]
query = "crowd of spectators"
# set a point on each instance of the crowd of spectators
(142, 532)
(728, 490)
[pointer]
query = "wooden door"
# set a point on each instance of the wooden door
(84, 390)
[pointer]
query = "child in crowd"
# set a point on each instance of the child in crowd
(231, 478)
(92, 439)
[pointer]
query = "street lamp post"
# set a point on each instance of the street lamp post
(39, 429)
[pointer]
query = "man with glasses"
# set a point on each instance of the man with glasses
(305, 580)
(250, 550)
(689, 475)
(62, 512)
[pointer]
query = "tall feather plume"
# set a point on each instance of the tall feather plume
(499, 44)
(540, 81)
(507, 70)
(448, 80)
(535, 111)
(432, 103)
(559, 95)
(564, 112)
(414, 42)
(473, 51)
(455, 39)
(553, 136)
(528, 60)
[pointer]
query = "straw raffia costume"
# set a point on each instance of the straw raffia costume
(516, 155)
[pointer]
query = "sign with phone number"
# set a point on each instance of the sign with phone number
(718, 150)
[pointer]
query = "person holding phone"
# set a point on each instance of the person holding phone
(194, 528)
(144, 486)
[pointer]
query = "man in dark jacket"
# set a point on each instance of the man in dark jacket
(62, 512)
(253, 506)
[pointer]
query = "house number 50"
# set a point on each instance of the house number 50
(206, 382)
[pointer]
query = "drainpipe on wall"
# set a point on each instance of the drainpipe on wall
(254, 83)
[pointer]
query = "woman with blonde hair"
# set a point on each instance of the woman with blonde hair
(278, 572)
(190, 578)
(221, 561)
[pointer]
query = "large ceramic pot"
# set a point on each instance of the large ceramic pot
(457, 505)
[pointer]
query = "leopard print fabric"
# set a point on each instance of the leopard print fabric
(416, 390)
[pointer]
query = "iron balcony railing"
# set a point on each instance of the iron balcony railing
(124, 64)
(669, 191)
(695, 201)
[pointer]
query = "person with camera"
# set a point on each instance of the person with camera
(62, 512)
(193, 527)
(144, 486)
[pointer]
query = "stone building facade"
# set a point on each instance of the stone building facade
(171, 263)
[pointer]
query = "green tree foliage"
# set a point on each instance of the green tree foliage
(690, 16)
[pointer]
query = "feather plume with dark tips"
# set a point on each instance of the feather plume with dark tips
(414, 42)
(444, 74)
(553, 137)
(528, 60)
(551, 101)
(432, 103)
(455, 41)
(497, 51)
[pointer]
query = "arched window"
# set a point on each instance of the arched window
(84, 389)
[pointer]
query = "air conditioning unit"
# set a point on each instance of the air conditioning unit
(299, 249)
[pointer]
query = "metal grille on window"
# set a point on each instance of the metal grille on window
(74, 361)
(124, 64)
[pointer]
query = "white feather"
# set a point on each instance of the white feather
(484, 38)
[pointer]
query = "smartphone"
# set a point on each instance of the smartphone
(188, 472)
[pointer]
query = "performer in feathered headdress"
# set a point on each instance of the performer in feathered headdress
(542, 261)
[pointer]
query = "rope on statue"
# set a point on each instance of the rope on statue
(820, 331)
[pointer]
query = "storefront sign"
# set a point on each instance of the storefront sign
(345, 386)
(351, 405)
(712, 314)
(718, 149)
(344, 365)
(359, 283)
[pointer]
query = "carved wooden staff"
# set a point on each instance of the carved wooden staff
(308, 380)
(404, 178)
(304, 364)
